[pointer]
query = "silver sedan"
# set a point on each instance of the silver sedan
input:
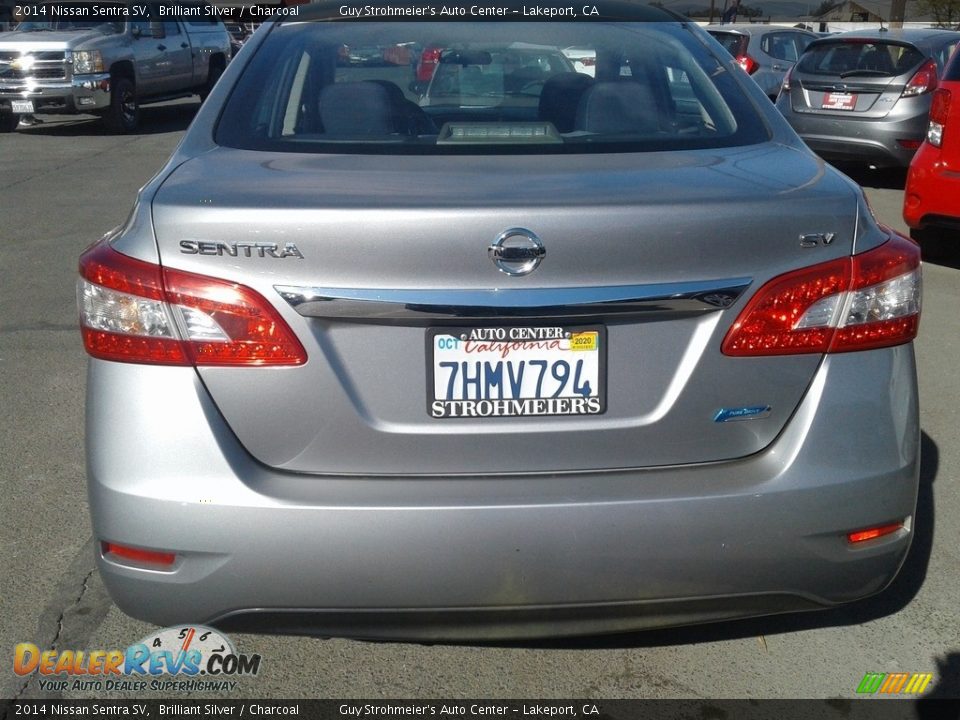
(613, 352)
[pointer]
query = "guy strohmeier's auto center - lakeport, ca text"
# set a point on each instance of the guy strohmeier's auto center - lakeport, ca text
(441, 11)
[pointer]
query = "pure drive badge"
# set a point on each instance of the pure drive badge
(240, 249)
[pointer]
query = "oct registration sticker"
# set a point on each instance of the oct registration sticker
(481, 372)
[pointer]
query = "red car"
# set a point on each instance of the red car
(931, 200)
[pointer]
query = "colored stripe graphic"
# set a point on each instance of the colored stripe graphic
(871, 682)
(894, 683)
(918, 683)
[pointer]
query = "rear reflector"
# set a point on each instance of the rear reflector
(861, 302)
(138, 555)
(134, 311)
(909, 143)
(923, 81)
(873, 533)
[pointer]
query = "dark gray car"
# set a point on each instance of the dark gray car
(560, 354)
(864, 97)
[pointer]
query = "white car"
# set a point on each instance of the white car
(584, 60)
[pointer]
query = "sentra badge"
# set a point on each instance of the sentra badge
(241, 249)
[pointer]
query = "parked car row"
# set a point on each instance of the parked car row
(881, 98)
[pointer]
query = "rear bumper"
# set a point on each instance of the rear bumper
(82, 94)
(499, 556)
(930, 196)
(846, 139)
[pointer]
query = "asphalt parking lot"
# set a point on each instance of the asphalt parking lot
(65, 182)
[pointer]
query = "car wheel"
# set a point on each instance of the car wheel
(123, 115)
(216, 70)
(8, 122)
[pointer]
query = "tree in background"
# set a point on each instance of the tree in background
(945, 13)
(749, 12)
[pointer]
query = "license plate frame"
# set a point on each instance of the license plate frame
(542, 337)
(22, 107)
(847, 102)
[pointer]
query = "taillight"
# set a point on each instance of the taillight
(939, 111)
(861, 302)
(748, 63)
(429, 59)
(924, 80)
(785, 87)
(135, 311)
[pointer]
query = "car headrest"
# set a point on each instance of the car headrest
(357, 108)
(622, 106)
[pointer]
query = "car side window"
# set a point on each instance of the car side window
(942, 56)
(142, 25)
(802, 42)
(783, 46)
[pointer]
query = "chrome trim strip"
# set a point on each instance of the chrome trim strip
(612, 301)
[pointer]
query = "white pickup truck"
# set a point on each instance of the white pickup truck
(81, 63)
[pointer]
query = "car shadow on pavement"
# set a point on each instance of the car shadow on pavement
(945, 687)
(944, 250)
(154, 120)
(896, 597)
(883, 178)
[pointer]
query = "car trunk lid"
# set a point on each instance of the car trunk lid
(369, 260)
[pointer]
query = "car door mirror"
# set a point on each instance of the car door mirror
(136, 31)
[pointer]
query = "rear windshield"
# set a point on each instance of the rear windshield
(732, 42)
(431, 88)
(859, 58)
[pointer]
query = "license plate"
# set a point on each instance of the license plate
(479, 372)
(21, 107)
(839, 101)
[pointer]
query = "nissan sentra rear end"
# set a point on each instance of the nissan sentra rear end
(508, 351)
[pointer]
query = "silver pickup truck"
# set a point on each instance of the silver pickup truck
(109, 66)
